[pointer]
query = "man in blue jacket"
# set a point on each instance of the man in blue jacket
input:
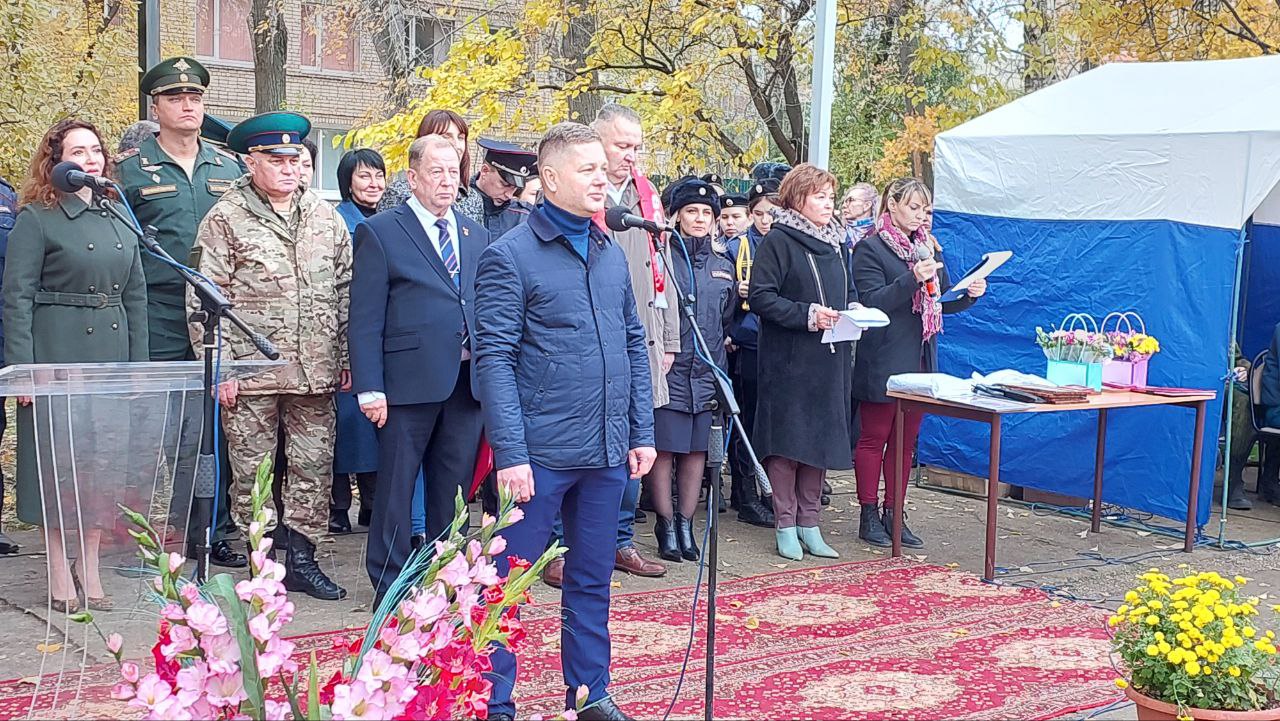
(1269, 474)
(564, 383)
(8, 211)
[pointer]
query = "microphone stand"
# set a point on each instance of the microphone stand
(213, 307)
(729, 404)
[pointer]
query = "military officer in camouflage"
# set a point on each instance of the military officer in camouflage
(505, 169)
(171, 180)
(283, 257)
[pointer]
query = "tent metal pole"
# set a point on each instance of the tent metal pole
(1230, 384)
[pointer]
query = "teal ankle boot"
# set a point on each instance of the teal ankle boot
(789, 543)
(811, 539)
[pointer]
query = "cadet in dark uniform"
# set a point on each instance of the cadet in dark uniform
(172, 180)
(503, 174)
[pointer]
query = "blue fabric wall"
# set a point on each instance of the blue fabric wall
(1260, 301)
(1178, 277)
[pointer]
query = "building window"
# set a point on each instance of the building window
(427, 40)
(222, 30)
(328, 39)
(325, 179)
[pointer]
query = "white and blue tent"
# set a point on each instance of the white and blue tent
(1145, 186)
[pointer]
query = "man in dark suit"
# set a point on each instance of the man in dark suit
(412, 300)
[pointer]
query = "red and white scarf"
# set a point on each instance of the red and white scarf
(923, 303)
(651, 209)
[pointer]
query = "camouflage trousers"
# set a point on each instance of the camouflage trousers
(309, 423)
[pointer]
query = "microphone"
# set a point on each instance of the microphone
(618, 218)
(68, 177)
(924, 251)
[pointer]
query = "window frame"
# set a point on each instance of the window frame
(444, 30)
(320, 10)
(215, 35)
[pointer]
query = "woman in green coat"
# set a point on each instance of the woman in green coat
(73, 293)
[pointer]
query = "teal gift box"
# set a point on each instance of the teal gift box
(1072, 373)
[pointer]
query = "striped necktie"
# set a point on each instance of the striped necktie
(447, 252)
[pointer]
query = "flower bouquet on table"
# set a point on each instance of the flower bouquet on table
(1075, 352)
(1133, 348)
(1194, 648)
(220, 653)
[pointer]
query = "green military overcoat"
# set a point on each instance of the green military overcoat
(74, 292)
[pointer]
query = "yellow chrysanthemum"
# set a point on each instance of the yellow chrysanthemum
(1121, 683)
(1234, 671)
(1192, 668)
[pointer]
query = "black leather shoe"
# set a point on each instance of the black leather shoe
(871, 528)
(302, 573)
(755, 514)
(222, 555)
(365, 516)
(339, 521)
(826, 500)
(504, 717)
(603, 710)
(1236, 500)
(684, 538)
(7, 546)
(826, 489)
(909, 539)
(665, 532)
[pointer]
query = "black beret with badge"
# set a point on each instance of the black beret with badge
(692, 192)
(275, 133)
(514, 163)
(175, 75)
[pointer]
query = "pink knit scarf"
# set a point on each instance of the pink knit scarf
(922, 303)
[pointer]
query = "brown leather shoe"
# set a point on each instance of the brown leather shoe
(553, 574)
(630, 561)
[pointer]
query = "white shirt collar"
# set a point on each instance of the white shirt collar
(428, 221)
(615, 194)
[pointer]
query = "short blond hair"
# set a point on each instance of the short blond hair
(562, 136)
(421, 146)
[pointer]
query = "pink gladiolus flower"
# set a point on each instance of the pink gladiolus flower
(129, 672)
(486, 520)
(570, 715)
(427, 608)
(485, 573)
(114, 643)
(456, 573)
(222, 653)
(260, 628)
(497, 545)
(193, 677)
(122, 691)
(516, 515)
(189, 593)
(173, 612)
(206, 618)
(581, 696)
(150, 692)
(172, 708)
(474, 550)
(175, 562)
(180, 641)
(356, 701)
(254, 528)
(468, 598)
(278, 711)
(226, 690)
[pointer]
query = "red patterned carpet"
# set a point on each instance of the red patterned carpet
(876, 640)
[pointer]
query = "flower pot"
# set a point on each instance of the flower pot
(1150, 709)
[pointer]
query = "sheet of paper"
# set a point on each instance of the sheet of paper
(852, 322)
(990, 261)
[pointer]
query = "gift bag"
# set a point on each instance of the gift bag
(1075, 351)
(1129, 367)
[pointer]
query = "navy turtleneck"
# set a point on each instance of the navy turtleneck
(575, 228)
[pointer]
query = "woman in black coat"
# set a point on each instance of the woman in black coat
(889, 277)
(682, 427)
(799, 283)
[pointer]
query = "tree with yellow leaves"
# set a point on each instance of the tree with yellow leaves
(60, 58)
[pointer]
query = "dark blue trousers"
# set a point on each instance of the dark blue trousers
(587, 500)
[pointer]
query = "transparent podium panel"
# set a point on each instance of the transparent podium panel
(90, 439)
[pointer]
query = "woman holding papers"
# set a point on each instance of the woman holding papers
(898, 271)
(799, 283)
(682, 427)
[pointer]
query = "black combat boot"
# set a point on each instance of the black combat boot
(909, 539)
(871, 528)
(302, 573)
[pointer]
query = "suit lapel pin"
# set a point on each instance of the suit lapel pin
(466, 230)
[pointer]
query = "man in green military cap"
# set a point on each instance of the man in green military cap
(171, 180)
(283, 257)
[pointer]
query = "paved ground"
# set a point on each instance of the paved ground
(1035, 547)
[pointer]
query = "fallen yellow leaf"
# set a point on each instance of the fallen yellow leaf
(735, 604)
(615, 584)
(752, 623)
(48, 647)
(953, 565)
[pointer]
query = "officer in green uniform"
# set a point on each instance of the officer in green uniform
(172, 180)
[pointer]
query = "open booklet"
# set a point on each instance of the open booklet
(852, 322)
(988, 265)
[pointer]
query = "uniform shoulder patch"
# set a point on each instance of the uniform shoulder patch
(131, 152)
(223, 151)
(722, 275)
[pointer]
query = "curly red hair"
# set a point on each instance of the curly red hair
(38, 187)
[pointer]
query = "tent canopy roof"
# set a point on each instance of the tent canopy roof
(1196, 142)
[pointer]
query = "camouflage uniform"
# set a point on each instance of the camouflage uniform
(289, 278)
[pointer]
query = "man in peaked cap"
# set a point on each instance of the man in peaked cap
(172, 178)
(283, 256)
(503, 173)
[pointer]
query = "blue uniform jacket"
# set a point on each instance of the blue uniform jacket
(561, 360)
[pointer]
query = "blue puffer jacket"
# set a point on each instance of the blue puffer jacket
(560, 351)
(690, 380)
